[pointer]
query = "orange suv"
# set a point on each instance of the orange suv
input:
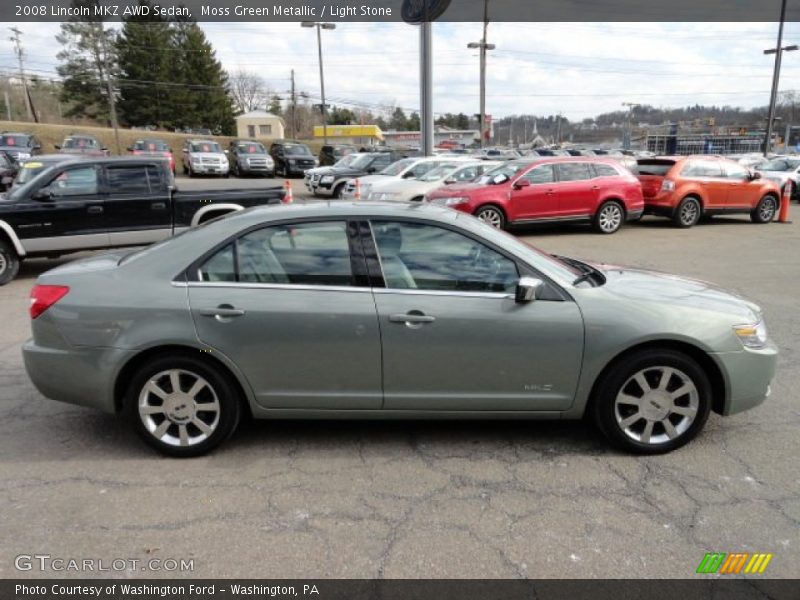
(686, 188)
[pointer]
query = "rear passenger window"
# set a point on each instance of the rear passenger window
(603, 170)
(128, 179)
(220, 267)
(573, 171)
(702, 168)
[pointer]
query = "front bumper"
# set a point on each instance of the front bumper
(82, 376)
(209, 170)
(748, 375)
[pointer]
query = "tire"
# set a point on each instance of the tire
(688, 212)
(218, 392)
(615, 405)
(416, 199)
(337, 191)
(765, 210)
(9, 262)
(491, 215)
(609, 217)
(189, 172)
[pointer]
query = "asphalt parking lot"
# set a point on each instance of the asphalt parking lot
(411, 499)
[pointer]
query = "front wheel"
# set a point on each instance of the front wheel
(183, 406)
(609, 217)
(765, 210)
(491, 215)
(9, 262)
(653, 401)
(688, 212)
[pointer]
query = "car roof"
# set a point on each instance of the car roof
(55, 158)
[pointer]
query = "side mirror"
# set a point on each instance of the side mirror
(409, 175)
(449, 181)
(521, 183)
(371, 170)
(528, 289)
(43, 193)
(755, 175)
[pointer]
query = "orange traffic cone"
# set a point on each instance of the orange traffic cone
(358, 189)
(783, 215)
(288, 196)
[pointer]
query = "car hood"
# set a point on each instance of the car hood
(463, 189)
(664, 288)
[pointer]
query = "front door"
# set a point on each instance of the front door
(284, 305)
(138, 205)
(453, 337)
(538, 199)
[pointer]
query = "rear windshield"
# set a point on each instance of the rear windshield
(80, 143)
(654, 166)
(151, 146)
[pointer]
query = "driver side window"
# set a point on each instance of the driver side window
(428, 257)
(75, 182)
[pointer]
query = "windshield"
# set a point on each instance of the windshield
(14, 140)
(251, 148)
(29, 170)
(80, 143)
(398, 167)
(206, 147)
(296, 150)
(500, 174)
(780, 164)
(438, 173)
(151, 146)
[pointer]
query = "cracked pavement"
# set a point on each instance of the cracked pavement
(425, 499)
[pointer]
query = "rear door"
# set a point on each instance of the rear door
(576, 190)
(138, 208)
(538, 200)
(707, 173)
(70, 216)
(291, 307)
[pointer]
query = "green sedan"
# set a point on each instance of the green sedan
(387, 311)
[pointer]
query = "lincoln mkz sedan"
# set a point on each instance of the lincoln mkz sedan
(387, 311)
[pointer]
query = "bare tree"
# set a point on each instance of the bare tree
(247, 90)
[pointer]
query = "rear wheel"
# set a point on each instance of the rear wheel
(9, 262)
(609, 217)
(688, 212)
(183, 406)
(765, 210)
(653, 402)
(491, 215)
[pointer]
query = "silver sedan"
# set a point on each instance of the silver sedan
(387, 311)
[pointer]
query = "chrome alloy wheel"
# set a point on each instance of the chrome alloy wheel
(656, 405)
(610, 218)
(689, 213)
(491, 216)
(179, 408)
(767, 209)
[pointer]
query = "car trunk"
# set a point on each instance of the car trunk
(651, 173)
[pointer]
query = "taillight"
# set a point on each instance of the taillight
(667, 185)
(44, 296)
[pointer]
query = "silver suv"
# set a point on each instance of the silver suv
(204, 157)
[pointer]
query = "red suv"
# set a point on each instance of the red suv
(553, 189)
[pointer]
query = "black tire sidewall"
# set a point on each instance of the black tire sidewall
(225, 388)
(612, 381)
(12, 262)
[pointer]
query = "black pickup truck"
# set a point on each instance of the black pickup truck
(107, 203)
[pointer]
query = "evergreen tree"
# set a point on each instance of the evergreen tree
(398, 122)
(88, 64)
(274, 105)
(413, 123)
(145, 51)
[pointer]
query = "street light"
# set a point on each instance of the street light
(320, 27)
(483, 47)
(778, 52)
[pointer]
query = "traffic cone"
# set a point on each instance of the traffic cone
(358, 189)
(783, 215)
(288, 196)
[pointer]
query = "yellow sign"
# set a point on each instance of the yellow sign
(32, 165)
(350, 131)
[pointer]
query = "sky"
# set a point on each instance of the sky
(577, 69)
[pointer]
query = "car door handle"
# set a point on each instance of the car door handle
(223, 311)
(549, 192)
(95, 210)
(412, 318)
(595, 187)
(158, 206)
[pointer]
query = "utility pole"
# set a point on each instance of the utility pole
(20, 52)
(778, 52)
(112, 101)
(294, 106)
(626, 140)
(483, 46)
(8, 105)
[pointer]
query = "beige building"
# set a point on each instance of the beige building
(259, 124)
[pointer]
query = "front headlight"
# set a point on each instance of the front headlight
(326, 179)
(23, 155)
(449, 201)
(753, 335)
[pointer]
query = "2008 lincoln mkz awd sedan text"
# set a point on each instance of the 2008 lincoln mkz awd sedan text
(386, 311)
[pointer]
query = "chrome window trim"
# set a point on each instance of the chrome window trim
(419, 292)
(274, 286)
